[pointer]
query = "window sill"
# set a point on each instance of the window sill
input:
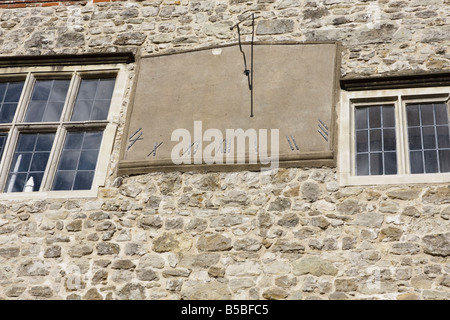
(346, 179)
(21, 196)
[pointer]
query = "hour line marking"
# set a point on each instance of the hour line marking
(290, 144)
(154, 149)
(323, 130)
(133, 140)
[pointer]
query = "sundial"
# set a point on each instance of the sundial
(186, 102)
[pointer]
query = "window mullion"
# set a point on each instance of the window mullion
(53, 160)
(25, 98)
(401, 128)
(71, 97)
(10, 147)
(61, 132)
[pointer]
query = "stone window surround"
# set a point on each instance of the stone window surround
(399, 97)
(110, 125)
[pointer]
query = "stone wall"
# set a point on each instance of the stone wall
(289, 234)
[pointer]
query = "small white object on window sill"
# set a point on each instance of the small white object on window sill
(29, 185)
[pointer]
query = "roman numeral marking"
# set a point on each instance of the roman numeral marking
(323, 130)
(292, 143)
(134, 138)
(153, 152)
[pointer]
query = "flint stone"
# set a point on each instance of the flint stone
(378, 286)
(438, 196)
(247, 244)
(285, 281)
(437, 244)
(152, 260)
(53, 252)
(99, 215)
(10, 252)
(280, 204)
(313, 265)
(41, 291)
(377, 35)
(369, 219)
(280, 26)
(289, 220)
(92, 294)
(320, 222)
(338, 296)
(408, 296)
(315, 13)
(411, 212)
(349, 206)
(106, 248)
(275, 294)
(405, 248)
(391, 233)
(130, 38)
(123, 264)
(436, 295)
(346, 285)
(219, 30)
(106, 226)
(435, 34)
(246, 268)
(99, 276)
(235, 197)
(169, 242)
(71, 39)
(174, 223)
(212, 290)
(153, 202)
(277, 267)
(348, 243)
(291, 246)
(197, 225)
(445, 213)
(310, 191)
(34, 268)
(202, 260)
(226, 221)
(214, 242)
(15, 291)
(129, 13)
(389, 206)
(132, 249)
(132, 291)
(146, 275)
(131, 191)
(241, 283)
(216, 272)
(207, 182)
(75, 226)
(421, 282)
(151, 222)
(174, 284)
(404, 194)
(80, 250)
(180, 272)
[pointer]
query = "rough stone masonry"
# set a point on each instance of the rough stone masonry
(288, 234)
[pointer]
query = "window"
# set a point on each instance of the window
(375, 140)
(429, 140)
(57, 128)
(394, 136)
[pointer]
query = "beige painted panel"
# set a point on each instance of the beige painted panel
(293, 87)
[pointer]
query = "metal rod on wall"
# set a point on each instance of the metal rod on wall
(248, 73)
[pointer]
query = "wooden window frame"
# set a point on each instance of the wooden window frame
(109, 126)
(399, 98)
